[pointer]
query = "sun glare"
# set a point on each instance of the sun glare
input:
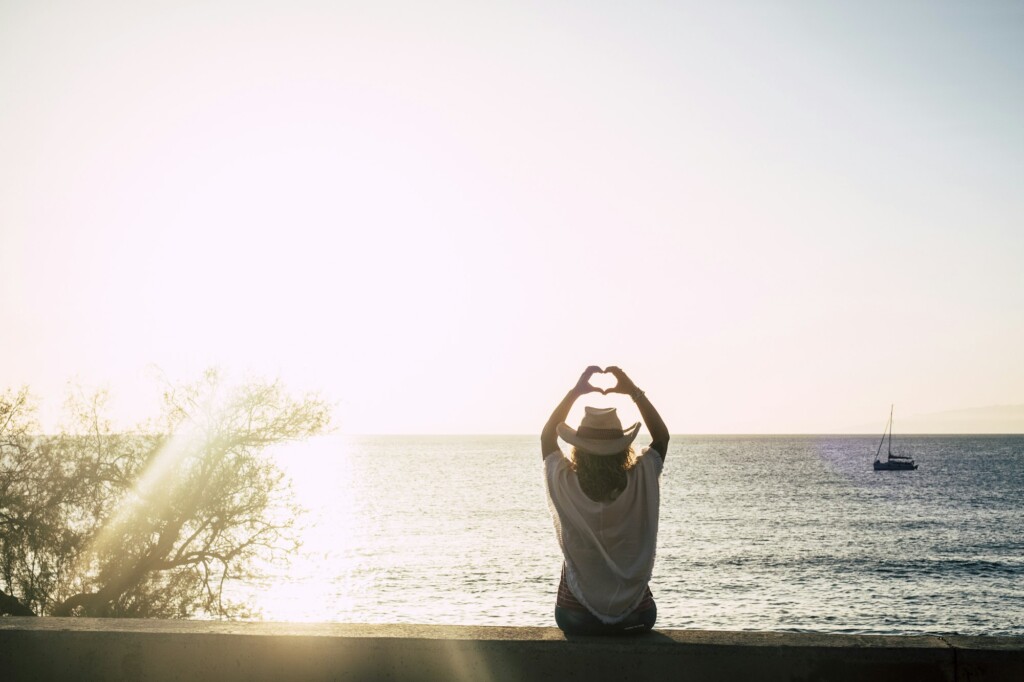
(332, 529)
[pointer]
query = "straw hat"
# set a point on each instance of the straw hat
(600, 432)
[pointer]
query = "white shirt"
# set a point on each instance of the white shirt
(608, 546)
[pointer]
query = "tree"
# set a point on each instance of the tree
(151, 522)
(17, 518)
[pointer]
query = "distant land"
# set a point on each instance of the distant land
(994, 419)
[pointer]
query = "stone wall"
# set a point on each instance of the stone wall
(91, 649)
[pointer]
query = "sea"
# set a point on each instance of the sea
(779, 533)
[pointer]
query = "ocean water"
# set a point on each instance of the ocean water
(757, 533)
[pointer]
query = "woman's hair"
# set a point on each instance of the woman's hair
(602, 475)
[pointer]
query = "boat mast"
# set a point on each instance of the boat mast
(890, 430)
(887, 424)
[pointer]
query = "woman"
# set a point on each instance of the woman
(604, 502)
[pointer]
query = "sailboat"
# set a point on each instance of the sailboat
(892, 462)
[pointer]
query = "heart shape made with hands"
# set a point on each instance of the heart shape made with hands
(604, 382)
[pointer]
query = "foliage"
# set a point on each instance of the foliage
(152, 522)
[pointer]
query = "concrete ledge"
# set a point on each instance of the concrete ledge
(92, 649)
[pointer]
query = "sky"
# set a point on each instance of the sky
(775, 217)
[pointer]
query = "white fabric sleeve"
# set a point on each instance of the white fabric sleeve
(652, 459)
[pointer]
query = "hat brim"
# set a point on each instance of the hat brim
(599, 446)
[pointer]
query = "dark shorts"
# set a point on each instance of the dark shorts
(577, 622)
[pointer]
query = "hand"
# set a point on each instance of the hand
(624, 384)
(584, 385)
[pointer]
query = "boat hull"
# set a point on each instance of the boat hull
(894, 466)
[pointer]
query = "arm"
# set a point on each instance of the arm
(549, 437)
(652, 420)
